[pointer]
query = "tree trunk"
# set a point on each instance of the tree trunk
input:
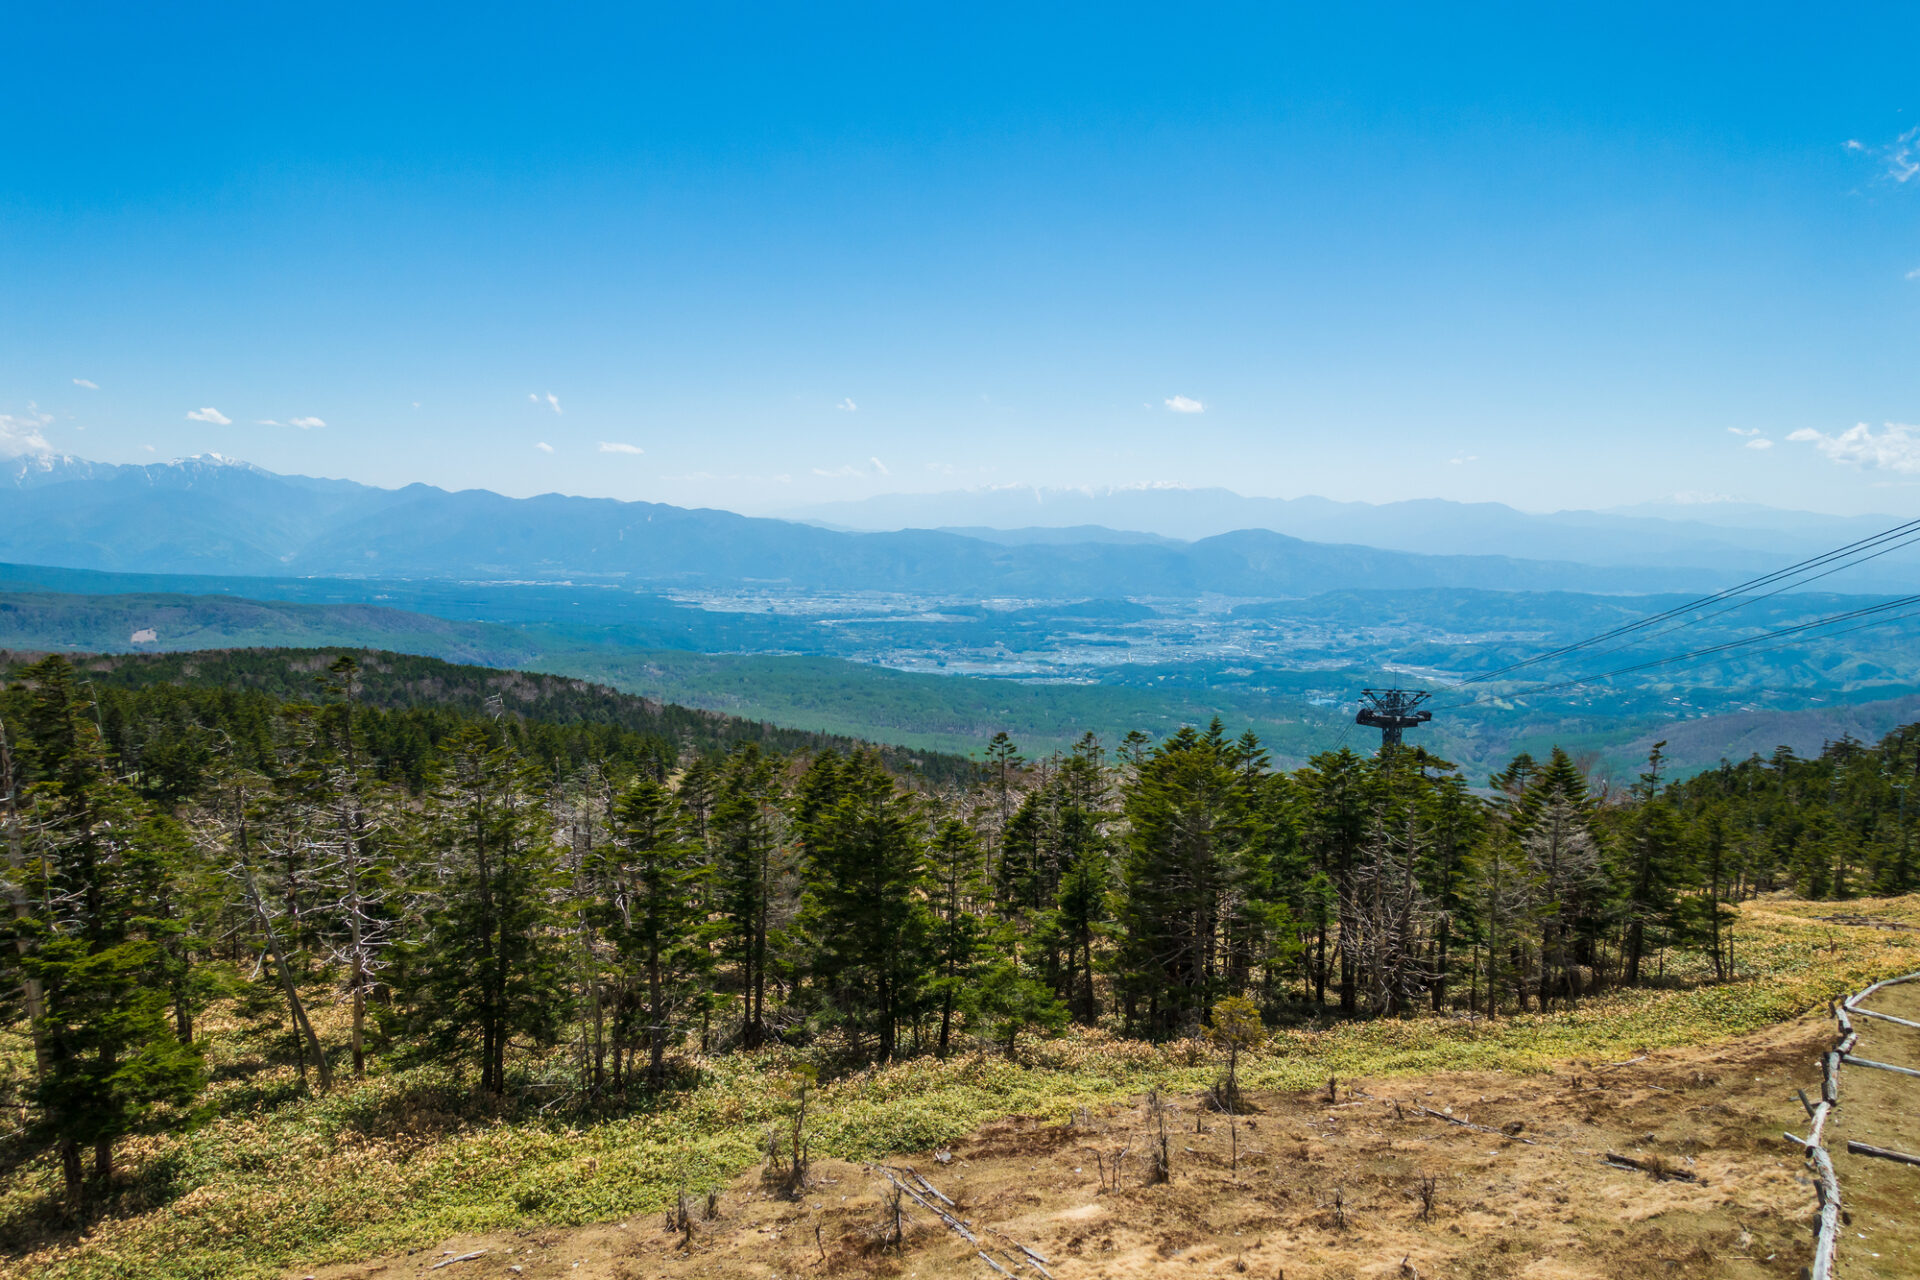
(74, 1177)
(656, 1042)
(1320, 964)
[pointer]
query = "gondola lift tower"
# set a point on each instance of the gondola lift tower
(1391, 711)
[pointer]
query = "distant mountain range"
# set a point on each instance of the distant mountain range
(215, 515)
(1737, 538)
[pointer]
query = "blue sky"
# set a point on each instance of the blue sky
(761, 256)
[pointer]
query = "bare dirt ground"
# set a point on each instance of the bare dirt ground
(1322, 1187)
(1880, 1235)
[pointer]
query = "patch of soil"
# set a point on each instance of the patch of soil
(1306, 1188)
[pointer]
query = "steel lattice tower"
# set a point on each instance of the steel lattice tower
(1390, 711)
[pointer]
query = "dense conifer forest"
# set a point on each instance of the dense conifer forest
(479, 881)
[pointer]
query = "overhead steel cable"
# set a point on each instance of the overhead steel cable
(1789, 577)
(1871, 622)
(1744, 601)
(1900, 602)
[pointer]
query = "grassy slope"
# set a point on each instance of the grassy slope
(409, 1157)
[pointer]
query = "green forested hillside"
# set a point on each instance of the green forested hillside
(569, 718)
(165, 621)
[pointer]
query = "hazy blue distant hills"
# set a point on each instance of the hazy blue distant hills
(204, 514)
(1738, 538)
(213, 515)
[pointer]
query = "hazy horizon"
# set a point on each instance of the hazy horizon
(1669, 506)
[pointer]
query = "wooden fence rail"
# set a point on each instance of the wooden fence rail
(1820, 1162)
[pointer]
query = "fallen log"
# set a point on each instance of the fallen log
(1659, 1170)
(957, 1226)
(1868, 1149)
(929, 1187)
(1477, 1128)
(1608, 1066)
(1887, 1017)
(465, 1257)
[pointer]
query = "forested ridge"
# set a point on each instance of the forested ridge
(550, 717)
(480, 889)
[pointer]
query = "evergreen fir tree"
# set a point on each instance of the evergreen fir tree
(656, 890)
(489, 969)
(864, 908)
(95, 941)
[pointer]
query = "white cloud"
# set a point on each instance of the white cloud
(848, 405)
(147, 447)
(1900, 159)
(1181, 404)
(1743, 431)
(305, 424)
(20, 433)
(1463, 459)
(1895, 448)
(615, 446)
(212, 415)
(1759, 442)
(543, 446)
(552, 400)
(1903, 157)
(879, 467)
(88, 383)
(1914, 274)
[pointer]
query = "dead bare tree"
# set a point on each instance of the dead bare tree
(583, 815)
(360, 905)
(1387, 914)
(1159, 1149)
(233, 830)
(351, 868)
(1564, 861)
